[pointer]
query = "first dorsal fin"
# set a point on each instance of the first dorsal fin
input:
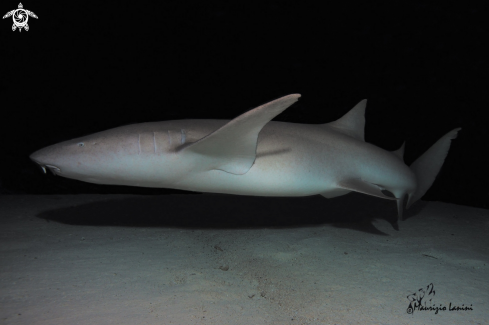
(353, 122)
(232, 148)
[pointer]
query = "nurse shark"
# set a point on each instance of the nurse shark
(249, 155)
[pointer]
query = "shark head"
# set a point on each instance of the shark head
(108, 157)
(86, 159)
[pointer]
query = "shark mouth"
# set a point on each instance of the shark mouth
(52, 168)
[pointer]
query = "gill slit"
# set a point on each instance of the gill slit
(139, 143)
(183, 136)
(154, 140)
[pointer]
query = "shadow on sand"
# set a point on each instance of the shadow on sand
(354, 211)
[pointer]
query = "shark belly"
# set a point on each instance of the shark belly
(256, 182)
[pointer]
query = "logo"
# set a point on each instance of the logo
(20, 17)
(416, 299)
(422, 300)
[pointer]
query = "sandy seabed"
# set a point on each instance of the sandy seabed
(219, 259)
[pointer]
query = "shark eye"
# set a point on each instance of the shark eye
(81, 144)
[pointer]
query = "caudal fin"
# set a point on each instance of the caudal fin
(427, 166)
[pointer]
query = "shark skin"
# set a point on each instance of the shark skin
(249, 155)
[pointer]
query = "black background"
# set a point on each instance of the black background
(84, 67)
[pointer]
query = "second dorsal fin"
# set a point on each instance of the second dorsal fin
(353, 122)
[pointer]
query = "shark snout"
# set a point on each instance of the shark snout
(41, 157)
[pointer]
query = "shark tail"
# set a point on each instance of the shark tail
(428, 165)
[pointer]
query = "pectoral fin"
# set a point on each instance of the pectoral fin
(232, 148)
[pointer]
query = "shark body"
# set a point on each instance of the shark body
(249, 155)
